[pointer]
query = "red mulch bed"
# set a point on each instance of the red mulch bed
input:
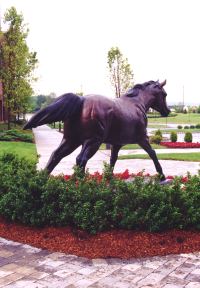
(116, 243)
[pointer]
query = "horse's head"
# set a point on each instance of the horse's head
(159, 103)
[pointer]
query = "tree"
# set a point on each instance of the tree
(121, 75)
(17, 64)
(40, 101)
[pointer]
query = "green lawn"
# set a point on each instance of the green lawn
(181, 118)
(168, 131)
(27, 150)
(134, 146)
(168, 156)
(157, 126)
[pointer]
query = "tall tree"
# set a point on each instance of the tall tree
(121, 75)
(17, 64)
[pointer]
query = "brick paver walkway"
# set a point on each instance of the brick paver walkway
(26, 266)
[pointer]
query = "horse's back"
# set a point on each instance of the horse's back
(98, 102)
(114, 120)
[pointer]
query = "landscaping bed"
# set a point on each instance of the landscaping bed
(16, 135)
(124, 215)
(180, 144)
(115, 243)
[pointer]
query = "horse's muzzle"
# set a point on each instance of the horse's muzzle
(166, 112)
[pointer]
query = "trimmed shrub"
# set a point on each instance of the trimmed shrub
(180, 127)
(198, 126)
(188, 137)
(158, 133)
(96, 203)
(173, 136)
(186, 127)
(16, 135)
(6, 137)
(192, 127)
(156, 139)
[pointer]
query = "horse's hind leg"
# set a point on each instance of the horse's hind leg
(114, 154)
(152, 154)
(65, 148)
(89, 148)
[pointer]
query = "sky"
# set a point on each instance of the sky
(160, 38)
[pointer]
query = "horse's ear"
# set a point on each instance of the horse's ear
(163, 83)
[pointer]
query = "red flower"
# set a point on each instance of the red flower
(123, 176)
(96, 176)
(170, 177)
(180, 144)
(184, 179)
(140, 173)
(67, 177)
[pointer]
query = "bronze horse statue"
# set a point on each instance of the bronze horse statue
(93, 119)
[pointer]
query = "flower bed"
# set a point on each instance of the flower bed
(180, 145)
(97, 202)
(126, 175)
(123, 176)
(101, 215)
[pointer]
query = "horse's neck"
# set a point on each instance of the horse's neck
(145, 100)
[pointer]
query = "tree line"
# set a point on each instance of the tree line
(40, 101)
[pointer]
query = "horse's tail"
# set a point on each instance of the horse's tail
(64, 107)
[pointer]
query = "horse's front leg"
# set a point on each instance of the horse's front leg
(114, 154)
(152, 154)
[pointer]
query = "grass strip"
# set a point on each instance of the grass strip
(194, 156)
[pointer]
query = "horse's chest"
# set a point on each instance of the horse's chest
(126, 130)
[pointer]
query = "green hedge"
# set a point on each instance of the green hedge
(33, 198)
(16, 135)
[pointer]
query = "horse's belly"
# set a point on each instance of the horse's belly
(125, 135)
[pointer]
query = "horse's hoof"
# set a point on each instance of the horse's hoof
(166, 181)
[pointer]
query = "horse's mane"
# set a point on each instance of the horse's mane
(134, 91)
